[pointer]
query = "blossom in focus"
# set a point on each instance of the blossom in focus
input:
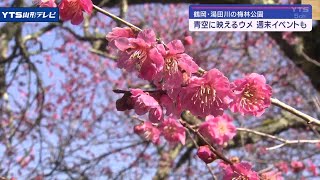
(73, 10)
(143, 103)
(118, 33)
(242, 170)
(173, 107)
(148, 131)
(139, 54)
(251, 95)
(207, 95)
(205, 154)
(218, 130)
(173, 131)
(176, 64)
(47, 3)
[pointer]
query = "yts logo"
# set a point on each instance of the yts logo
(29, 14)
(300, 9)
(12, 15)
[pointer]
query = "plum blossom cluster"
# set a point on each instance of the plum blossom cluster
(169, 127)
(174, 72)
(179, 86)
(70, 9)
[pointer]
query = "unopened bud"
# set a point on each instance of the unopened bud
(205, 154)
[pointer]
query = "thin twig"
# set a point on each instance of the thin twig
(284, 141)
(116, 18)
(305, 117)
(313, 61)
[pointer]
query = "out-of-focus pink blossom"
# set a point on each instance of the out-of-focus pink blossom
(148, 131)
(297, 166)
(218, 130)
(173, 131)
(47, 3)
(207, 95)
(282, 166)
(143, 103)
(252, 95)
(271, 175)
(313, 168)
(205, 154)
(73, 10)
(188, 40)
(139, 54)
(176, 64)
(242, 170)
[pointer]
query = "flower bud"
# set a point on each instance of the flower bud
(205, 154)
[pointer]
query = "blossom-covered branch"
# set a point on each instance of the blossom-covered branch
(206, 95)
(180, 87)
(276, 102)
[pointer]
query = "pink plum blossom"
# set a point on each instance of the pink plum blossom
(148, 131)
(205, 154)
(252, 95)
(139, 54)
(73, 10)
(173, 107)
(218, 130)
(177, 64)
(241, 170)
(117, 33)
(47, 3)
(173, 131)
(207, 95)
(144, 103)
